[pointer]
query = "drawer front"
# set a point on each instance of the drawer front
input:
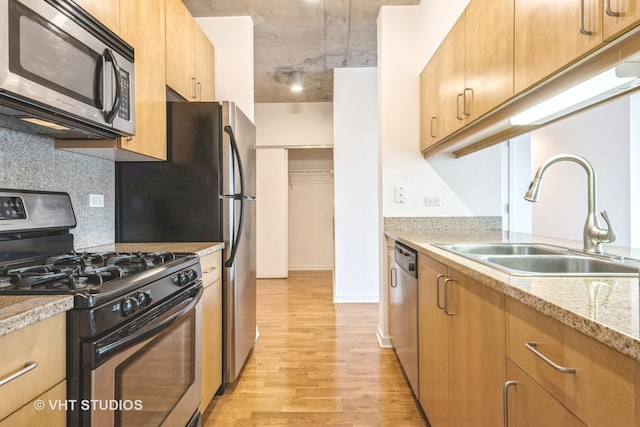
(53, 415)
(599, 389)
(42, 343)
(211, 265)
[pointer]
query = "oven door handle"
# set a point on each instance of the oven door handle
(163, 321)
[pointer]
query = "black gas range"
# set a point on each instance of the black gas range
(129, 307)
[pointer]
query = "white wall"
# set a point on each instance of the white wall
(271, 212)
(232, 37)
(295, 124)
(279, 127)
(355, 156)
(602, 135)
(407, 37)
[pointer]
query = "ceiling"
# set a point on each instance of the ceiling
(311, 36)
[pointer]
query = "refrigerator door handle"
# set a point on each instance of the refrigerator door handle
(240, 196)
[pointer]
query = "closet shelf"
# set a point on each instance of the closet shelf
(310, 176)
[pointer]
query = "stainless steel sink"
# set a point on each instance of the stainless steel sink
(560, 265)
(503, 248)
(535, 259)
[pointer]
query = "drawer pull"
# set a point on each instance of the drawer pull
(29, 366)
(211, 270)
(505, 401)
(440, 276)
(531, 346)
(446, 296)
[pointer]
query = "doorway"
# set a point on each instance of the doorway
(310, 209)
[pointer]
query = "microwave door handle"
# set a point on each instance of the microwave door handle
(110, 115)
(100, 83)
(240, 197)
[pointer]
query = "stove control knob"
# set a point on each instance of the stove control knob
(129, 306)
(144, 298)
(191, 273)
(184, 279)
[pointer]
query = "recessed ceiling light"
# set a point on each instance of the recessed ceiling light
(296, 81)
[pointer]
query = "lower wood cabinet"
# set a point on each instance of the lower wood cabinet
(593, 381)
(462, 351)
(211, 378)
(528, 404)
(479, 349)
(39, 352)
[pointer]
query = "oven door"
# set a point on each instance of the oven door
(148, 374)
(65, 63)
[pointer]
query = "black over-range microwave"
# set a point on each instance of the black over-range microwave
(63, 72)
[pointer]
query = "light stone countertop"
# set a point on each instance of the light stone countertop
(19, 311)
(606, 309)
(199, 248)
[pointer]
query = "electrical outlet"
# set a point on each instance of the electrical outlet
(400, 194)
(432, 201)
(96, 200)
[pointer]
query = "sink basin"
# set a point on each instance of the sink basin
(536, 259)
(503, 248)
(559, 265)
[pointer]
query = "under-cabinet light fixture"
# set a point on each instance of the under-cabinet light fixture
(44, 123)
(621, 78)
(296, 81)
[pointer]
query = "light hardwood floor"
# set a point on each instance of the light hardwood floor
(315, 363)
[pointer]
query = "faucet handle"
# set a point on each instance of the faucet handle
(609, 235)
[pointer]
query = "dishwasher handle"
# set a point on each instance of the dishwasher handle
(406, 259)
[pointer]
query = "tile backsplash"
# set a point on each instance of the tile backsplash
(30, 162)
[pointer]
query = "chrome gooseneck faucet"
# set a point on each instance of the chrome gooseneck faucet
(593, 235)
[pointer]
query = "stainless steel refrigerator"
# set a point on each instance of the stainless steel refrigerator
(205, 192)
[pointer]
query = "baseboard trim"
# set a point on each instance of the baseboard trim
(383, 342)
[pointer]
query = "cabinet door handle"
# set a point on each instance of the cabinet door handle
(394, 275)
(194, 92)
(608, 9)
(460, 97)
(212, 269)
(27, 367)
(583, 31)
(434, 127)
(440, 276)
(199, 91)
(467, 102)
(532, 347)
(505, 401)
(446, 297)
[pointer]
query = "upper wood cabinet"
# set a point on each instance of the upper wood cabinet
(180, 52)
(470, 73)
(189, 55)
(204, 66)
(551, 34)
(488, 56)
(143, 25)
(442, 85)
(619, 16)
(105, 11)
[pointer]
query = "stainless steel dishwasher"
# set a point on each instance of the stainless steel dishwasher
(403, 312)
